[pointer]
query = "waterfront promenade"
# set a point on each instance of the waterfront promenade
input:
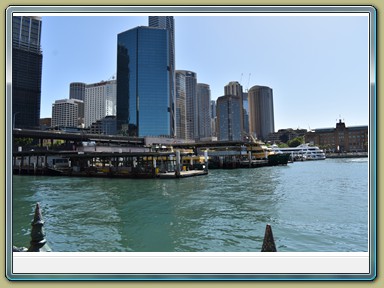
(347, 155)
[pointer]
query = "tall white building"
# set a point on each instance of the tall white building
(65, 113)
(100, 101)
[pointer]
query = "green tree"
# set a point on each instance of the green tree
(283, 145)
(22, 141)
(295, 142)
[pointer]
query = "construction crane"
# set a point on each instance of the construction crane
(113, 77)
(249, 77)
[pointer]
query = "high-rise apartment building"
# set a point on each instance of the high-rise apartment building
(100, 101)
(229, 120)
(191, 103)
(203, 94)
(144, 106)
(261, 115)
(65, 113)
(27, 62)
(181, 118)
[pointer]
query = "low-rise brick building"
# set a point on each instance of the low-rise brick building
(340, 139)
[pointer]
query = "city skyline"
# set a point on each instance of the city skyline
(317, 66)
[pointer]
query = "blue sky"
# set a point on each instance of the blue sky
(317, 66)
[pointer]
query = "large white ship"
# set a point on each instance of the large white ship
(301, 152)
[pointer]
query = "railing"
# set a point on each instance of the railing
(38, 241)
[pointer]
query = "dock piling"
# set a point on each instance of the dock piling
(269, 242)
(177, 170)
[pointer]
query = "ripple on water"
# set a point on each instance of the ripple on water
(312, 206)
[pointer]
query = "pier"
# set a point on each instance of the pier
(87, 155)
(112, 165)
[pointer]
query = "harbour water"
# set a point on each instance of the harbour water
(312, 206)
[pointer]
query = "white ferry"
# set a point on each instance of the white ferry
(301, 152)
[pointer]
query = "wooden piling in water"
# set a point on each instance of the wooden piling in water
(269, 242)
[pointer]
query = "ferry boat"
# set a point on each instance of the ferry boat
(244, 155)
(301, 152)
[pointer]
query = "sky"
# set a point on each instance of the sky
(317, 66)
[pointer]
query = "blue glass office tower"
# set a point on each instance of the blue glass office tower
(167, 22)
(143, 83)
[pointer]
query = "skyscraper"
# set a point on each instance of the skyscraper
(213, 118)
(191, 104)
(245, 113)
(229, 120)
(181, 118)
(100, 101)
(203, 112)
(235, 89)
(261, 115)
(27, 60)
(168, 23)
(144, 105)
(77, 90)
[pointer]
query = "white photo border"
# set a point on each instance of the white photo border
(18, 265)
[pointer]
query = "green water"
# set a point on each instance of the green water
(311, 206)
